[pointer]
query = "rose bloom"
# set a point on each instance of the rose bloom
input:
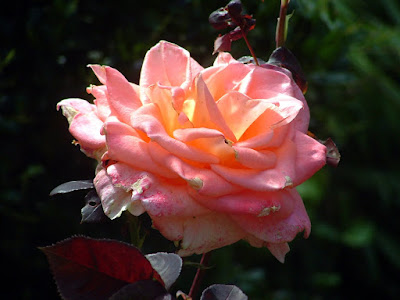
(212, 155)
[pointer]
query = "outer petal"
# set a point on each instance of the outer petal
(263, 83)
(311, 156)
(278, 250)
(171, 200)
(273, 228)
(123, 97)
(114, 199)
(85, 126)
(252, 203)
(169, 65)
(101, 101)
(225, 77)
(199, 234)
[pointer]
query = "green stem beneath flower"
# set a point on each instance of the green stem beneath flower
(280, 28)
(199, 274)
(134, 227)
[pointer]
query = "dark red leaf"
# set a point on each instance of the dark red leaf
(230, 16)
(72, 186)
(224, 42)
(86, 268)
(220, 19)
(93, 212)
(282, 57)
(223, 292)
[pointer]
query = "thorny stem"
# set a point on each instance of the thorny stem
(199, 274)
(280, 28)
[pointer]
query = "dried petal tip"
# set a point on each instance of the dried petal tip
(332, 152)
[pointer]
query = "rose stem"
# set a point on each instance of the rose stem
(199, 274)
(280, 29)
(249, 46)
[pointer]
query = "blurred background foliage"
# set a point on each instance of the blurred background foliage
(350, 51)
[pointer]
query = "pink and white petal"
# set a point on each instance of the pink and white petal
(263, 83)
(147, 119)
(126, 146)
(199, 234)
(224, 58)
(100, 72)
(72, 106)
(253, 159)
(124, 176)
(101, 101)
(203, 112)
(169, 65)
(202, 180)
(114, 199)
(282, 112)
(135, 181)
(277, 178)
(191, 134)
(274, 228)
(311, 156)
(166, 200)
(279, 250)
(162, 97)
(223, 79)
(251, 203)
(84, 125)
(240, 111)
(123, 97)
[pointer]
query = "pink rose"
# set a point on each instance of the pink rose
(212, 155)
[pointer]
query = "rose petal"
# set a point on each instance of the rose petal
(273, 228)
(123, 97)
(125, 145)
(262, 83)
(204, 181)
(147, 119)
(101, 101)
(199, 234)
(277, 178)
(85, 126)
(191, 134)
(171, 200)
(259, 160)
(162, 97)
(169, 65)
(226, 78)
(114, 199)
(239, 111)
(203, 112)
(100, 72)
(311, 156)
(279, 250)
(251, 203)
(224, 58)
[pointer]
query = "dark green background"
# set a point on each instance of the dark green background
(350, 52)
